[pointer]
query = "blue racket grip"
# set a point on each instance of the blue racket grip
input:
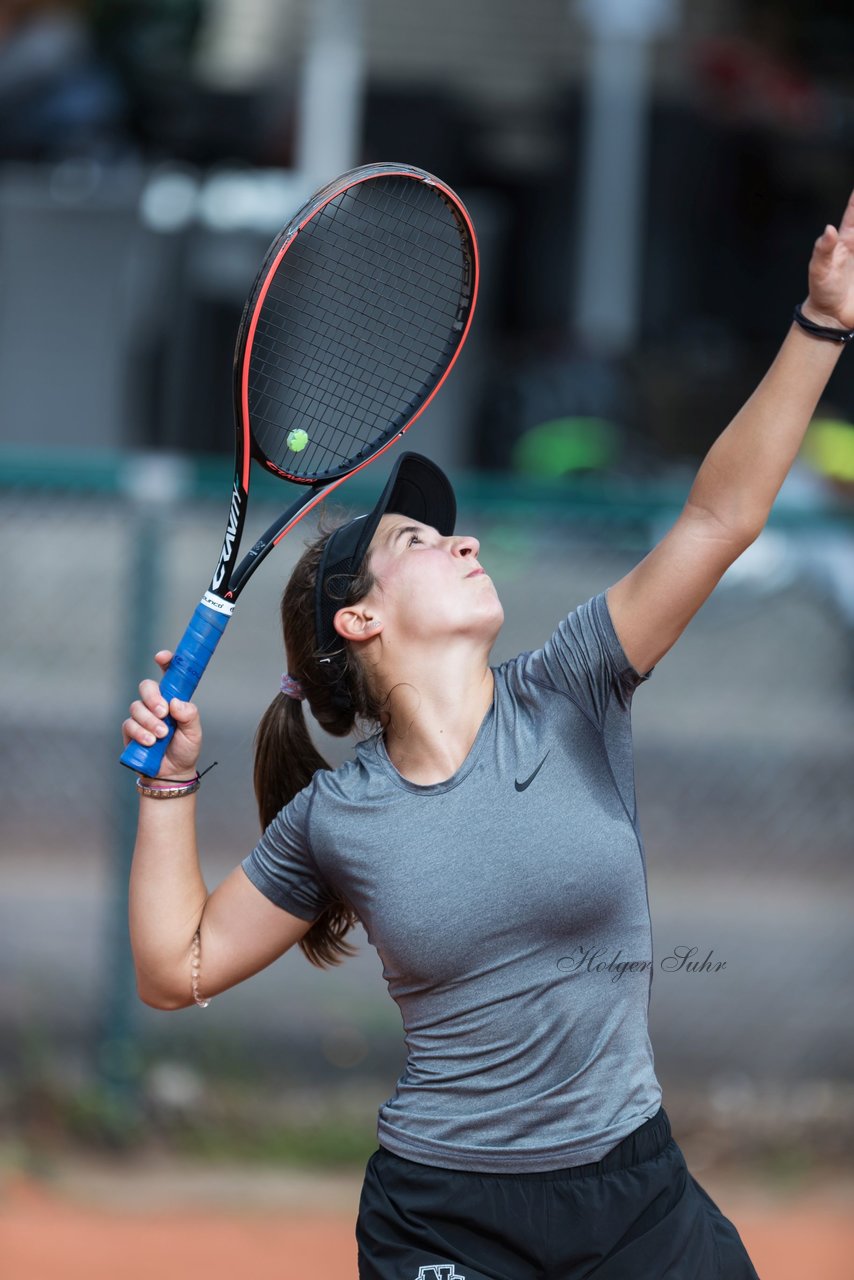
(182, 676)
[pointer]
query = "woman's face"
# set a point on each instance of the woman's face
(430, 586)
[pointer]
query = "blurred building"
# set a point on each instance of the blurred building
(647, 178)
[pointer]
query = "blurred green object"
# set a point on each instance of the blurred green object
(829, 447)
(565, 445)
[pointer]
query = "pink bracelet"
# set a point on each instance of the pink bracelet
(196, 969)
(170, 790)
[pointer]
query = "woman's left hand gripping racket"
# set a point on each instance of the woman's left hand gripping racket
(358, 313)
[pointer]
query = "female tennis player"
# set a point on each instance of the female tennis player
(486, 837)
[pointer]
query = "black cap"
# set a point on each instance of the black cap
(416, 488)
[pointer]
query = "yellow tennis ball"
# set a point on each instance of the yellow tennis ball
(297, 439)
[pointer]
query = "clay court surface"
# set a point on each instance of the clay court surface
(90, 1220)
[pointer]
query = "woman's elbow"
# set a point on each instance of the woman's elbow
(163, 1000)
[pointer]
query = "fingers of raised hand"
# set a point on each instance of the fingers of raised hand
(847, 223)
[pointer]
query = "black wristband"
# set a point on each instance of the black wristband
(822, 330)
(197, 777)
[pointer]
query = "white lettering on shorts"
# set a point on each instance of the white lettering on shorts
(439, 1271)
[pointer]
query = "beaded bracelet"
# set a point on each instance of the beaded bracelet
(196, 970)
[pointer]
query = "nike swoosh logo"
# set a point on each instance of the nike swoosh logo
(522, 786)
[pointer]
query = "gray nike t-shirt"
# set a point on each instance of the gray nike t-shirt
(509, 907)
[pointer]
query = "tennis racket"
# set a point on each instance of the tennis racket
(355, 319)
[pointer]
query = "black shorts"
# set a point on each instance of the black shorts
(636, 1214)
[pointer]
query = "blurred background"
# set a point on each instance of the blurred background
(646, 178)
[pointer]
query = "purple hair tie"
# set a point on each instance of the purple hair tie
(291, 687)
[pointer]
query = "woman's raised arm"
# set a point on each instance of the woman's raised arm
(742, 473)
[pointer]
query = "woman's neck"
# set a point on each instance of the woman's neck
(429, 733)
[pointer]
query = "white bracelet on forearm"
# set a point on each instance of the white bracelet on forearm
(196, 970)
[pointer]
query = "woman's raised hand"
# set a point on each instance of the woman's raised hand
(831, 274)
(145, 725)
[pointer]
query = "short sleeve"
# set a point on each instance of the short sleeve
(584, 658)
(282, 865)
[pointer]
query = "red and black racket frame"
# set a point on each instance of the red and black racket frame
(216, 607)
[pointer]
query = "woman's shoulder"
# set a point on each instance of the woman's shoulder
(544, 667)
(581, 658)
(353, 778)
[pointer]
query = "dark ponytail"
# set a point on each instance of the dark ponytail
(286, 758)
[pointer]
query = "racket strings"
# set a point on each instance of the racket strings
(357, 324)
(363, 313)
(341, 386)
(424, 327)
(354, 399)
(423, 274)
(415, 355)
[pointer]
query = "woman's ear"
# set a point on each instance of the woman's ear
(356, 623)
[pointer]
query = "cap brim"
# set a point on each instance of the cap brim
(416, 488)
